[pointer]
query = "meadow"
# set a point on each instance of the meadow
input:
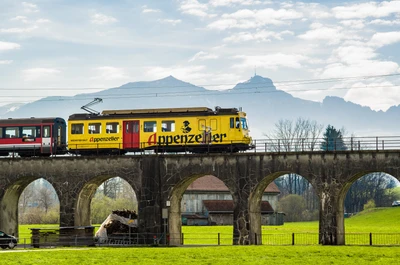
(377, 221)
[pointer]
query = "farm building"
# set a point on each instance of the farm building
(208, 199)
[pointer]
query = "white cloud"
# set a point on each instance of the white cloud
(353, 23)
(333, 34)
(101, 19)
(193, 7)
(245, 18)
(364, 10)
(201, 56)
(9, 46)
(6, 62)
(34, 74)
(149, 10)
(353, 54)
(381, 39)
(29, 7)
(261, 36)
(378, 95)
(110, 73)
(271, 61)
(313, 10)
(19, 30)
(23, 19)
(237, 2)
(43, 20)
(383, 22)
(173, 22)
(360, 68)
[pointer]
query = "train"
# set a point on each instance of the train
(117, 132)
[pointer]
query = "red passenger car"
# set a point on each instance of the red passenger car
(33, 136)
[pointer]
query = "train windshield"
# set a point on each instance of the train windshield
(243, 122)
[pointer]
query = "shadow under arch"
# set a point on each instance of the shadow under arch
(9, 203)
(342, 196)
(85, 196)
(174, 212)
(255, 200)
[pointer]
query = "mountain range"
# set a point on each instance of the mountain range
(258, 97)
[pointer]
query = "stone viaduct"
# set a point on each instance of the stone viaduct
(158, 179)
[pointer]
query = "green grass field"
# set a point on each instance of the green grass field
(207, 255)
(378, 220)
(382, 220)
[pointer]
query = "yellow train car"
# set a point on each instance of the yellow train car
(195, 130)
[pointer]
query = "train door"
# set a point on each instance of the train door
(46, 140)
(131, 134)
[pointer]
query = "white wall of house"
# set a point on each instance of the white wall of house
(192, 202)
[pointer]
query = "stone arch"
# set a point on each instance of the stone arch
(255, 200)
(85, 195)
(174, 212)
(342, 197)
(9, 203)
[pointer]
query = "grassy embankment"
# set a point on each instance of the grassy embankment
(375, 221)
(378, 220)
(207, 255)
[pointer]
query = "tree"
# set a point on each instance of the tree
(25, 201)
(303, 134)
(46, 197)
(102, 206)
(376, 186)
(333, 139)
(298, 136)
(293, 206)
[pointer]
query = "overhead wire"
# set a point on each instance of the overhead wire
(290, 82)
(205, 92)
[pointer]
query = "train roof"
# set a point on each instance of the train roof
(31, 120)
(161, 112)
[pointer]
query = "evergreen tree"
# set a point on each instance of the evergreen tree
(333, 140)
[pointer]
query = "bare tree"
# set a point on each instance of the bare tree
(111, 187)
(303, 134)
(25, 201)
(298, 136)
(375, 186)
(46, 197)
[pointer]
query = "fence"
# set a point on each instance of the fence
(377, 143)
(349, 144)
(209, 239)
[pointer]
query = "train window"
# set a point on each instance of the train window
(12, 132)
(1, 132)
(213, 124)
(232, 123)
(168, 126)
(244, 123)
(150, 126)
(112, 127)
(202, 124)
(94, 128)
(77, 128)
(28, 132)
(135, 127)
(237, 123)
(46, 131)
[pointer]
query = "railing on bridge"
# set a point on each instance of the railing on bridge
(377, 143)
(351, 144)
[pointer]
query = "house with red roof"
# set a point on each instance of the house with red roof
(208, 201)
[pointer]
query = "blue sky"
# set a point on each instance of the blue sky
(62, 45)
